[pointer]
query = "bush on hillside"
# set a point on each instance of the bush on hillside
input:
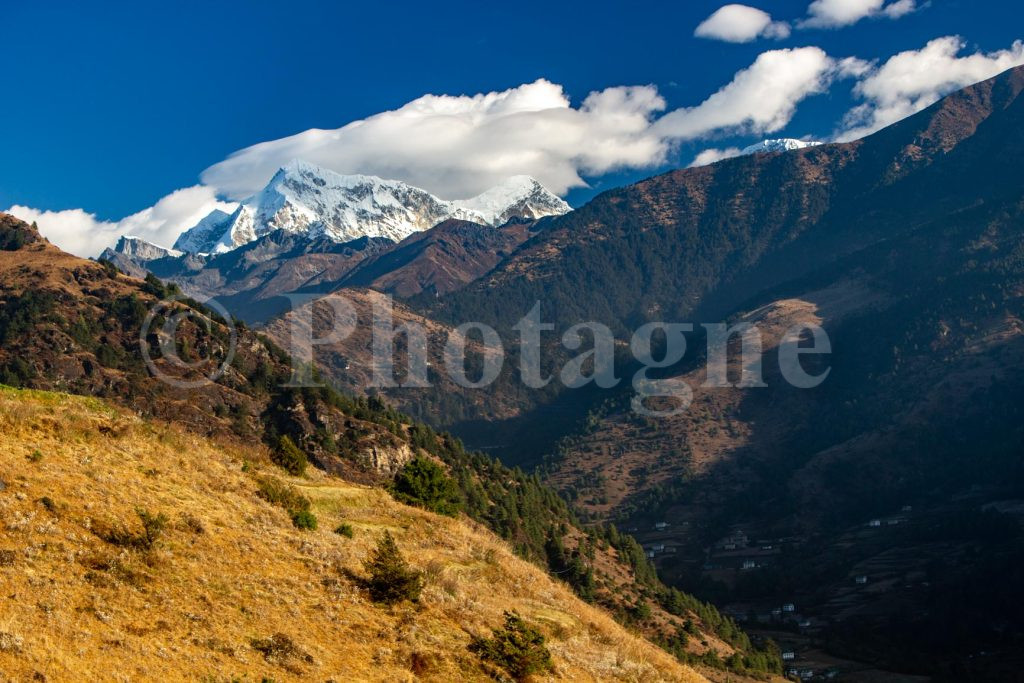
(304, 519)
(283, 495)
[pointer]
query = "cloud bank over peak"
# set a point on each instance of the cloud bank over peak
(459, 146)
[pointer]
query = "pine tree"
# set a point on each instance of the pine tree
(391, 579)
(517, 647)
(422, 482)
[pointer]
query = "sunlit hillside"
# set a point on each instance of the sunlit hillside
(230, 589)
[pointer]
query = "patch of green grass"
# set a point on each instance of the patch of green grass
(286, 496)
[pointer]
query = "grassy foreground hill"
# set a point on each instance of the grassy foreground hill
(225, 587)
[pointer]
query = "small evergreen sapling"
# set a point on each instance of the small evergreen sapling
(391, 578)
(289, 457)
(517, 647)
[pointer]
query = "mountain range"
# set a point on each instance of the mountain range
(70, 325)
(872, 523)
(312, 231)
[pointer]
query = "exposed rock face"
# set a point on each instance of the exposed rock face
(387, 461)
(130, 254)
(139, 248)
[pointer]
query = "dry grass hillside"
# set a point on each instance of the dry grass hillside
(231, 590)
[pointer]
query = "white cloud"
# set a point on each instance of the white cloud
(895, 10)
(853, 67)
(838, 13)
(912, 80)
(80, 232)
(710, 156)
(741, 24)
(760, 99)
(459, 146)
(72, 230)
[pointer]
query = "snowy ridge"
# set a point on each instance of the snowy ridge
(778, 145)
(306, 199)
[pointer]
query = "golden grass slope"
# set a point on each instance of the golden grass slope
(230, 570)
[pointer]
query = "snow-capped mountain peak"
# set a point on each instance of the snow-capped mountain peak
(305, 198)
(204, 233)
(519, 196)
(778, 145)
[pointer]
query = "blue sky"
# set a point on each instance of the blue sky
(112, 106)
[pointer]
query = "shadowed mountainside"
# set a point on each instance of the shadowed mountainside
(906, 246)
(700, 243)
